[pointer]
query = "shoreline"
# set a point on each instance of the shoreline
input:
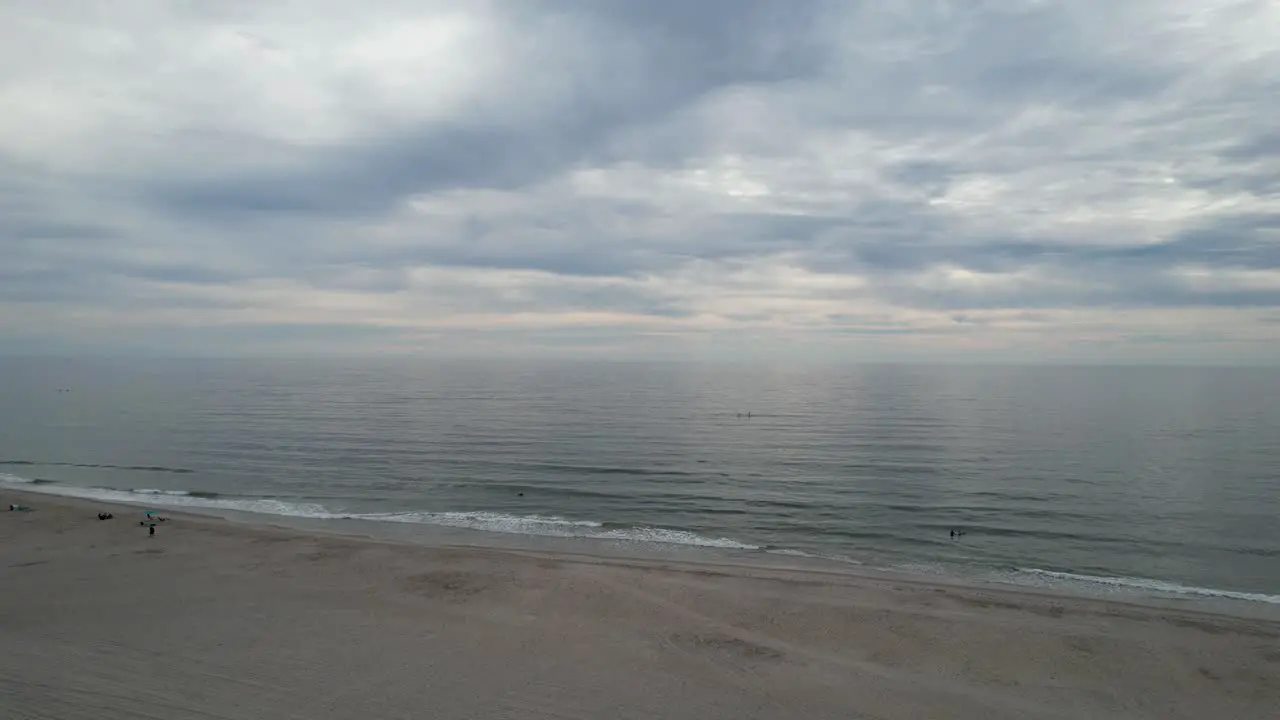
(1239, 603)
(221, 617)
(691, 559)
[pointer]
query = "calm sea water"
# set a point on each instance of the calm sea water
(1161, 480)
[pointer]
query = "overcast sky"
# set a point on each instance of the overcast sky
(890, 179)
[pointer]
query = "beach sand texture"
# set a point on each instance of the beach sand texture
(217, 619)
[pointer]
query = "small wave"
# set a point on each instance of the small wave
(812, 556)
(175, 499)
(497, 522)
(1145, 585)
(923, 568)
(555, 527)
(100, 466)
(675, 537)
(607, 470)
(485, 521)
(204, 494)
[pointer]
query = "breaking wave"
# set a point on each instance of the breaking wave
(100, 466)
(1036, 576)
(486, 521)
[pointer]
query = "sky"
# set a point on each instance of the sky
(1028, 180)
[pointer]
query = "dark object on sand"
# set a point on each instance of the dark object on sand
(152, 530)
(105, 516)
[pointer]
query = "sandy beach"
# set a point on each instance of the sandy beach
(218, 619)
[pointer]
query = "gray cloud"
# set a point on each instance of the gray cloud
(646, 60)
(637, 171)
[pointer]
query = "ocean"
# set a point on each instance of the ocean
(1158, 481)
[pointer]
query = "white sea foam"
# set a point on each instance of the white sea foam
(919, 569)
(487, 520)
(813, 556)
(1138, 585)
(790, 553)
(676, 537)
(553, 527)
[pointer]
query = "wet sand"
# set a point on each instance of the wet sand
(218, 619)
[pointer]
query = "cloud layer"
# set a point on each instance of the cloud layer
(1034, 179)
